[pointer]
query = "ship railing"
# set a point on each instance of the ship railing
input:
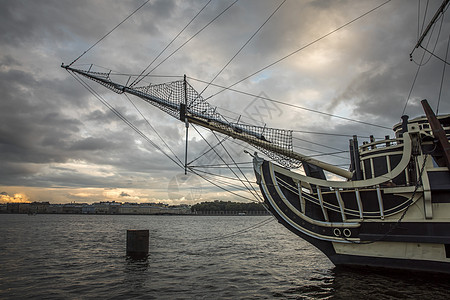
(348, 204)
(336, 200)
(380, 158)
(380, 144)
(346, 197)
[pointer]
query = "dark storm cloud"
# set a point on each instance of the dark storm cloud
(29, 121)
(55, 133)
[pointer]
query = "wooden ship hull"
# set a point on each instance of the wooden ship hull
(394, 212)
(390, 209)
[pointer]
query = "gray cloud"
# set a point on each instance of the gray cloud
(54, 133)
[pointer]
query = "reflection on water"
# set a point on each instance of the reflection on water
(135, 273)
(363, 283)
(79, 256)
(370, 283)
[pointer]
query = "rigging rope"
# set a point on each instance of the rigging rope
(429, 39)
(121, 116)
(291, 105)
(330, 134)
(221, 158)
(235, 233)
(220, 187)
(423, 20)
(313, 143)
(442, 78)
(209, 150)
(301, 48)
(220, 166)
(240, 170)
(126, 121)
(182, 45)
(419, 65)
(123, 21)
(227, 235)
(320, 153)
(412, 86)
(138, 78)
(153, 128)
(243, 46)
(236, 187)
(434, 55)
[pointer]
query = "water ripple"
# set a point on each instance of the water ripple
(83, 257)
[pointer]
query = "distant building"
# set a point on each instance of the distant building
(72, 208)
(87, 209)
(103, 208)
(55, 209)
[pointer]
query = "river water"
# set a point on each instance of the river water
(191, 257)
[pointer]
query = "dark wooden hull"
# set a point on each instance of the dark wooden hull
(420, 246)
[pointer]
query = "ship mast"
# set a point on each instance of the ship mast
(189, 107)
(433, 20)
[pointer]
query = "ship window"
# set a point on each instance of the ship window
(447, 250)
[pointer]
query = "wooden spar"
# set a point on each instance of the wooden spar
(438, 131)
(269, 146)
(186, 123)
(211, 124)
(433, 20)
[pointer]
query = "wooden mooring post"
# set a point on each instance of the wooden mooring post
(137, 244)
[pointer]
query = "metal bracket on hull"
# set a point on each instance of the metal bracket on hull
(428, 206)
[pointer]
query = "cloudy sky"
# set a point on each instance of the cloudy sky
(58, 143)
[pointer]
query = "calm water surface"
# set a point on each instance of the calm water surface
(191, 257)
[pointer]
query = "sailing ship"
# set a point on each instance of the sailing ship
(391, 210)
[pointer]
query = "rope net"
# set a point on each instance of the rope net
(171, 97)
(181, 92)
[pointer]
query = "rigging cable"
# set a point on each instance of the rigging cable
(243, 46)
(126, 121)
(217, 167)
(223, 165)
(232, 234)
(442, 79)
(320, 153)
(224, 179)
(254, 193)
(423, 20)
(435, 56)
(209, 150)
(419, 65)
(220, 187)
(182, 45)
(221, 158)
(240, 170)
(292, 105)
(436, 16)
(413, 83)
(330, 134)
(121, 116)
(301, 48)
(318, 144)
(435, 44)
(437, 39)
(137, 80)
(153, 128)
(123, 21)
